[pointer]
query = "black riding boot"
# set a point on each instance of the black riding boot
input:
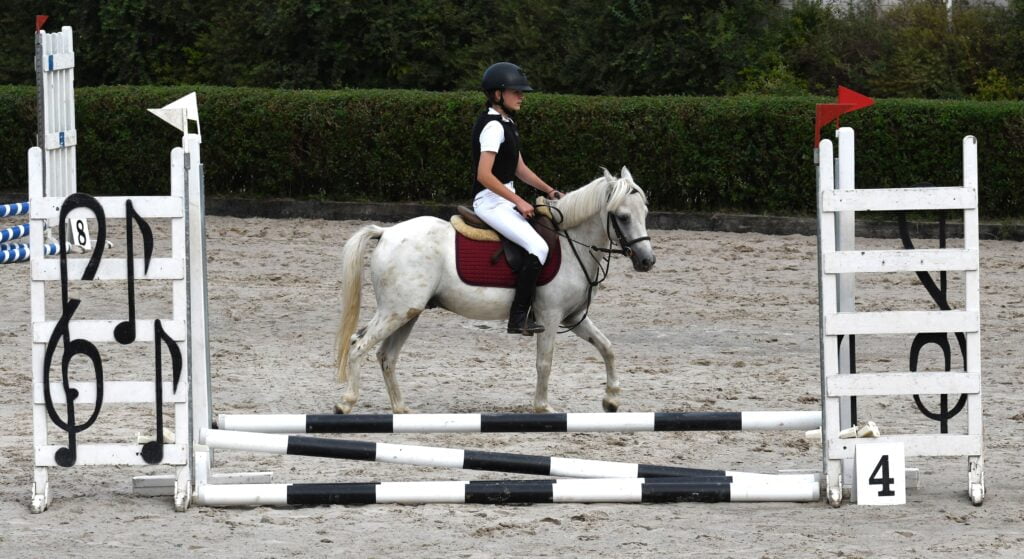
(519, 319)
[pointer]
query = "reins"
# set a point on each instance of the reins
(602, 273)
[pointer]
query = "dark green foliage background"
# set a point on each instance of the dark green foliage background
(915, 48)
(743, 153)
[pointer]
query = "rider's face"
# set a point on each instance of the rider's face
(513, 98)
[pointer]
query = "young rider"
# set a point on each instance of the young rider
(496, 162)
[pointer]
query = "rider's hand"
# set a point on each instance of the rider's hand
(524, 208)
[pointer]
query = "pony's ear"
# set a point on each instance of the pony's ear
(625, 173)
(607, 175)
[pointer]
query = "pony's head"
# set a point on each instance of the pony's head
(622, 206)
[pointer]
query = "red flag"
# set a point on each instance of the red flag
(40, 21)
(824, 114)
(858, 101)
(848, 101)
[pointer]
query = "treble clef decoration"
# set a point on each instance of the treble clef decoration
(941, 339)
(62, 333)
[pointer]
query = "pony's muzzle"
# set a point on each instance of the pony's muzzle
(644, 264)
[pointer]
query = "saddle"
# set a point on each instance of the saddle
(485, 258)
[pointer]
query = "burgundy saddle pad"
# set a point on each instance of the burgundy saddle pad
(473, 262)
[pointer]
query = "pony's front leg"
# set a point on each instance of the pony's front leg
(589, 332)
(545, 350)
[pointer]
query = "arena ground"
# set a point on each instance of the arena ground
(725, 322)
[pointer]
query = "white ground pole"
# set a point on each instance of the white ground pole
(836, 323)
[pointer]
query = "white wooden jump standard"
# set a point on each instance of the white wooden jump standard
(523, 423)
(616, 490)
(47, 209)
(58, 137)
(838, 322)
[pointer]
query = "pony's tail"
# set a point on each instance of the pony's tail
(351, 292)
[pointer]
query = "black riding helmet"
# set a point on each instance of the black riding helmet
(505, 75)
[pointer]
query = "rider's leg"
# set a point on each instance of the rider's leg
(519, 319)
(509, 223)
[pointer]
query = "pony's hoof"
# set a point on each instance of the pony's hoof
(403, 409)
(342, 408)
(609, 405)
(544, 409)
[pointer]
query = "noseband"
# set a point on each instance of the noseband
(613, 223)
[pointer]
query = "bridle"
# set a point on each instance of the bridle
(624, 249)
(613, 223)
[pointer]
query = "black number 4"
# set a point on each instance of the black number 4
(885, 481)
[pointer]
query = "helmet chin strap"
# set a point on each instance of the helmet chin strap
(501, 103)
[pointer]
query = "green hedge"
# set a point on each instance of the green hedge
(742, 154)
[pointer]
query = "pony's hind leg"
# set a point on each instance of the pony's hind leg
(380, 327)
(589, 332)
(387, 355)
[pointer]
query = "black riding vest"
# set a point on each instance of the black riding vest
(506, 161)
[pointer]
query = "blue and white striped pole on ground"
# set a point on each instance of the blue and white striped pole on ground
(296, 445)
(15, 232)
(18, 252)
(524, 422)
(17, 208)
(658, 490)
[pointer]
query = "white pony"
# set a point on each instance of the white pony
(413, 268)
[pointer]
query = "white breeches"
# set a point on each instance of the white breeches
(502, 216)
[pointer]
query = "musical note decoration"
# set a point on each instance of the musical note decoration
(124, 332)
(153, 451)
(941, 339)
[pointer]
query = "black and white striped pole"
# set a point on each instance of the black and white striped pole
(296, 445)
(638, 490)
(524, 422)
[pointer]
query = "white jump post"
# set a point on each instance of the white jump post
(837, 321)
(55, 80)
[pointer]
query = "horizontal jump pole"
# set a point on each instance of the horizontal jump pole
(660, 490)
(296, 445)
(22, 252)
(17, 208)
(524, 422)
(14, 232)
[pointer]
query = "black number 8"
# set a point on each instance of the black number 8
(82, 233)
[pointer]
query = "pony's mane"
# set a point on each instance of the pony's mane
(605, 192)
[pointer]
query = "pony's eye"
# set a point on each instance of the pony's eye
(624, 218)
